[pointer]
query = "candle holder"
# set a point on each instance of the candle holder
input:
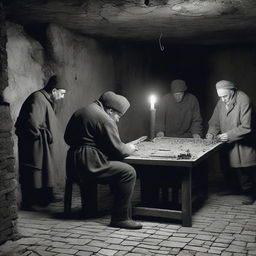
(152, 124)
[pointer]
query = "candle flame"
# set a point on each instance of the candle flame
(152, 100)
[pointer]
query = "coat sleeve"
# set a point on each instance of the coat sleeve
(32, 118)
(244, 126)
(112, 145)
(196, 126)
(214, 122)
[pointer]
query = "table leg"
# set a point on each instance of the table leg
(186, 198)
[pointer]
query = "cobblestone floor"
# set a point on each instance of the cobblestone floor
(222, 226)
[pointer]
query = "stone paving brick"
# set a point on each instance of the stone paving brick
(86, 248)
(107, 252)
(141, 251)
(64, 251)
(78, 241)
(196, 242)
(226, 254)
(131, 243)
(120, 247)
(149, 247)
(96, 243)
(133, 254)
(195, 248)
(180, 239)
(121, 253)
(152, 241)
(185, 253)
(114, 240)
(235, 249)
(83, 253)
(217, 250)
(172, 244)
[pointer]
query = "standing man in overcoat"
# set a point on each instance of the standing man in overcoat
(35, 128)
(96, 152)
(233, 122)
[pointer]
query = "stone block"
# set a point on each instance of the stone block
(6, 123)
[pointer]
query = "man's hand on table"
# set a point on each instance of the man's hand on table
(209, 136)
(223, 137)
(139, 140)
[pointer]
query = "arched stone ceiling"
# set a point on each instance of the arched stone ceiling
(177, 21)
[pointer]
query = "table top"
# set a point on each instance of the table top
(171, 151)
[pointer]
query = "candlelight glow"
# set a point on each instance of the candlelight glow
(152, 100)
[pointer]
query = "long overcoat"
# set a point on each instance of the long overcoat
(35, 126)
(94, 140)
(179, 119)
(238, 122)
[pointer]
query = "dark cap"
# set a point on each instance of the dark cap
(178, 86)
(115, 101)
(53, 83)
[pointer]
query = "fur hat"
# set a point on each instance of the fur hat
(223, 84)
(115, 101)
(178, 86)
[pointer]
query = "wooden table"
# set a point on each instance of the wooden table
(173, 152)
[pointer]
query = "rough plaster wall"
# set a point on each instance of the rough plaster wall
(85, 69)
(25, 61)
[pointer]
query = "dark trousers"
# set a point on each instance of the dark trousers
(247, 180)
(121, 177)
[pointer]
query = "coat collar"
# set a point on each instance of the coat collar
(47, 96)
(232, 103)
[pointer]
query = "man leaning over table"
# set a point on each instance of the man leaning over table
(233, 122)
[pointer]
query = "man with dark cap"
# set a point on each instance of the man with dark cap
(178, 114)
(232, 122)
(96, 151)
(35, 128)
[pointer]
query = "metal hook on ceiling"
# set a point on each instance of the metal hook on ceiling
(160, 42)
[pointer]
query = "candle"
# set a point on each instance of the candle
(152, 100)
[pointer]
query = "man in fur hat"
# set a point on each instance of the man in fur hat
(35, 128)
(96, 153)
(178, 114)
(232, 122)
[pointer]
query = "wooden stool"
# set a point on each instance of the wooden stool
(88, 192)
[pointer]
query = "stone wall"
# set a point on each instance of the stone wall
(8, 205)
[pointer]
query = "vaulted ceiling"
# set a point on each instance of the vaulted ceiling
(176, 21)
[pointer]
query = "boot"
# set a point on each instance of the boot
(127, 224)
(249, 201)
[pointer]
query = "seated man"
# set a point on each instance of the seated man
(96, 151)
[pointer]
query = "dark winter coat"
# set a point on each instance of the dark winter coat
(179, 119)
(94, 139)
(237, 121)
(34, 128)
